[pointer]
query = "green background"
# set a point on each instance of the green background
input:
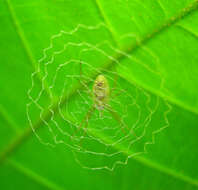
(167, 28)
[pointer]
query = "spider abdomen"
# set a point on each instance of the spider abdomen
(101, 92)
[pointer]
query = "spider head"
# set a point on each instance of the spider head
(100, 82)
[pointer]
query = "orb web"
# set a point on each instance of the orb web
(61, 96)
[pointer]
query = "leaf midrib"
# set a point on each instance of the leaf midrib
(184, 12)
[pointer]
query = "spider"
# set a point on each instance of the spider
(101, 97)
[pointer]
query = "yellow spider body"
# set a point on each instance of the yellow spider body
(101, 92)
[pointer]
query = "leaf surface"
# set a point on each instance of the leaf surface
(162, 40)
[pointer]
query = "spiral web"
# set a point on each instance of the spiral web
(63, 100)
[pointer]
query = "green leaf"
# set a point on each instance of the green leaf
(153, 60)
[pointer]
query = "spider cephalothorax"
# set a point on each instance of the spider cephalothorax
(101, 92)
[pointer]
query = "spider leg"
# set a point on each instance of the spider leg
(87, 116)
(80, 70)
(117, 94)
(116, 116)
(89, 113)
(101, 112)
(86, 120)
(115, 83)
(83, 82)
